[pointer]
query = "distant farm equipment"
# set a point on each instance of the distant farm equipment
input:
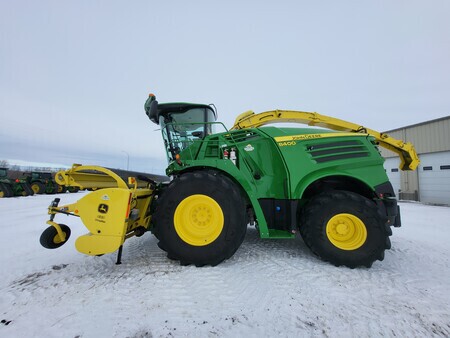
(43, 183)
(13, 187)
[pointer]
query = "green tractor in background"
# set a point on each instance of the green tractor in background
(11, 188)
(43, 183)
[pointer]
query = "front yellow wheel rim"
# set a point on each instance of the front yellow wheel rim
(2, 194)
(346, 231)
(198, 220)
(57, 239)
(35, 188)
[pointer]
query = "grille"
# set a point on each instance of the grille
(334, 151)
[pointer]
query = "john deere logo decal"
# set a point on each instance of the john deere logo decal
(103, 208)
(249, 147)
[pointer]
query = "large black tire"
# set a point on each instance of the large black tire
(49, 238)
(38, 187)
(6, 190)
(200, 218)
(54, 189)
(73, 189)
(345, 228)
(27, 191)
(61, 189)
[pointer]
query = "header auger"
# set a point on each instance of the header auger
(330, 185)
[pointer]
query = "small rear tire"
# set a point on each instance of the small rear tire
(344, 228)
(50, 238)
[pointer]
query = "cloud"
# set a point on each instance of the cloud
(72, 87)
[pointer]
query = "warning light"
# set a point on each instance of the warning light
(178, 159)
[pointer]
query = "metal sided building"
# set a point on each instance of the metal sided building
(430, 183)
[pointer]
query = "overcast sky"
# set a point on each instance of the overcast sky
(74, 75)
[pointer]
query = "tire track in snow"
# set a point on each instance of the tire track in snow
(268, 288)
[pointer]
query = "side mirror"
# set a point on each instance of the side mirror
(151, 109)
(198, 134)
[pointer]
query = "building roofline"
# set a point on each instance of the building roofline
(419, 124)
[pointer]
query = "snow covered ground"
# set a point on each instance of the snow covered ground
(268, 288)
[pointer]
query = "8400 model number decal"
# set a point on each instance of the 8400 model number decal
(287, 144)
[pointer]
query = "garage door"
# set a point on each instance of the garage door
(434, 178)
(391, 166)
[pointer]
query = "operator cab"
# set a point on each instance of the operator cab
(181, 123)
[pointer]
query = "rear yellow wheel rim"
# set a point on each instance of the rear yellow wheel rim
(198, 220)
(35, 188)
(2, 194)
(346, 231)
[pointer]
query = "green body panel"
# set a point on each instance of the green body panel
(305, 169)
(267, 170)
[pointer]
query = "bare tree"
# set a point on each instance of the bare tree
(3, 163)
